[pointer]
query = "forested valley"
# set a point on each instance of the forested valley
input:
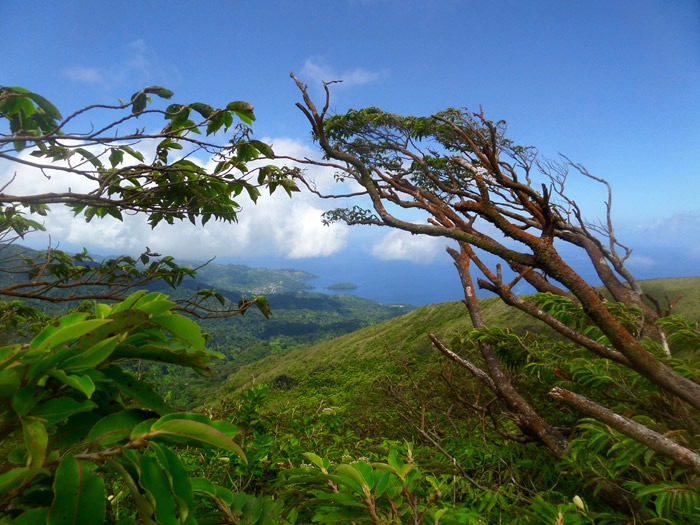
(151, 390)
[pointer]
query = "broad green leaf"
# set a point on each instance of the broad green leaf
(25, 399)
(179, 481)
(116, 157)
(79, 494)
(118, 322)
(381, 481)
(90, 157)
(59, 409)
(32, 516)
(75, 429)
(185, 430)
(155, 483)
(142, 393)
(93, 356)
(134, 153)
(203, 109)
(344, 498)
(68, 333)
(82, 383)
(117, 427)
(203, 485)
(156, 307)
(9, 383)
(223, 426)
(48, 108)
(138, 102)
(143, 505)
(344, 515)
(322, 464)
(64, 321)
(14, 477)
(353, 471)
(182, 328)
(159, 91)
(102, 310)
(129, 301)
(263, 148)
(36, 441)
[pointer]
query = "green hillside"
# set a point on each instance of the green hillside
(351, 373)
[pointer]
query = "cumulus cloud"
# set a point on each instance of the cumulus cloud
(401, 245)
(276, 225)
(316, 71)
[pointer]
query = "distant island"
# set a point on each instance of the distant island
(341, 286)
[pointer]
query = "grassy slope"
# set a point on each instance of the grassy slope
(345, 372)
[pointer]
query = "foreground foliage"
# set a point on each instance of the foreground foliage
(83, 431)
(194, 167)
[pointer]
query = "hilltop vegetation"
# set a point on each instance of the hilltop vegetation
(353, 372)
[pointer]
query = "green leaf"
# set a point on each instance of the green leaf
(263, 306)
(118, 322)
(263, 148)
(143, 505)
(48, 108)
(354, 471)
(90, 157)
(203, 109)
(82, 383)
(138, 102)
(25, 399)
(117, 427)
(154, 481)
(159, 91)
(186, 430)
(79, 494)
(130, 386)
(14, 477)
(134, 153)
(322, 464)
(243, 110)
(32, 516)
(67, 333)
(116, 157)
(36, 441)
(203, 485)
(93, 356)
(62, 322)
(179, 481)
(182, 328)
(59, 409)
(75, 429)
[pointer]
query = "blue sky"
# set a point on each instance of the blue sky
(614, 85)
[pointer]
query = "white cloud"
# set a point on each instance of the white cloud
(84, 75)
(277, 224)
(319, 72)
(639, 263)
(140, 65)
(401, 245)
(680, 229)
